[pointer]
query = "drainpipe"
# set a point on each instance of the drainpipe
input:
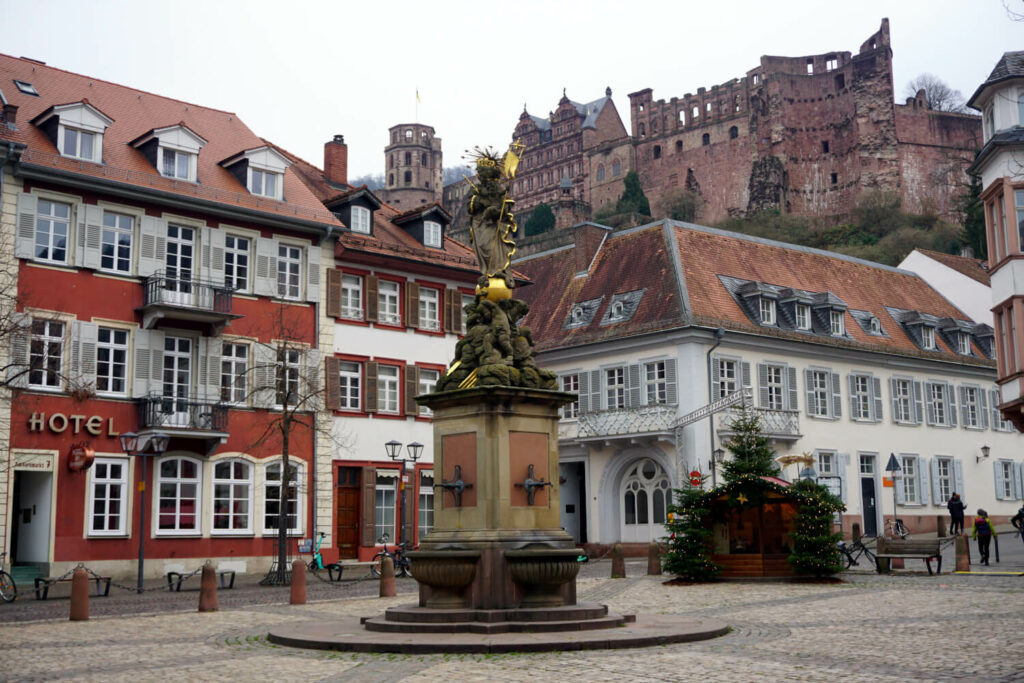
(719, 333)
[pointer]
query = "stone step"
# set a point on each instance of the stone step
(608, 622)
(577, 612)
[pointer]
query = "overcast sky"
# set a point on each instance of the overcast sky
(299, 72)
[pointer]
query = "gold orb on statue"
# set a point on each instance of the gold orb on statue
(497, 289)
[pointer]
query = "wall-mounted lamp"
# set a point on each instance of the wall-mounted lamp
(984, 454)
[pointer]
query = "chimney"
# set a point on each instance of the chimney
(336, 161)
(10, 115)
(588, 238)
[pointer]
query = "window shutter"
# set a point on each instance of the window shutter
(152, 245)
(412, 386)
(457, 311)
(671, 385)
(448, 311)
(209, 367)
(982, 409)
(372, 298)
(584, 392)
(412, 304)
(409, 504)
(216, 269)
(762, 384)
(368, 505)
(952, 405)
(894, 396)
(809, 391)
(90, 235)
(156, 361)
(203, 256)
(264, 374)
(897, 485)
(837, 396)
(997, 479)
(370, 387)
(595, 390)
(311, 379)
(958, 476)
(334, 293)
(962, 391)
(84, 337)
(917, 402)
(332, 382)
(265, 282)
(851, 387)
(1018, 479)
(746, 375)
(632, 385)
(844, 464)
(21, 350)
(25, 242)
(922, 474)
(313, 273)
(997, 417)
(140, 378)
(791, 390)
(876, 391)
(716, 378)
(929, 404)
(936, 488)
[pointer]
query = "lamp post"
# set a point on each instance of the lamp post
(394, 450)
(157, 443)
(985, 450)
(716, 457)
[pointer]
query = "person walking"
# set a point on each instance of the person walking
(1018, 522)
(983, 531)
(956, 514)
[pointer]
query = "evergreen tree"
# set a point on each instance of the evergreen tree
(752, 454)
(814, 543)
(633, 199)
(541, 219)
(972, 212)
(689, 543)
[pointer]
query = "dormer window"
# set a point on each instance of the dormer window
(431, 234)
(837, 324)
(963, 344)
(75, 129)
(618, 310)
(174, 164)
(360, 220)
(77, 143)
(875, 326)
(577, 315)
(803, 317)
(928, 338)
(767, 308)
(265, 183)
(173, 151)
(261, 170)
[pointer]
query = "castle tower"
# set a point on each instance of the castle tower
(412, 164)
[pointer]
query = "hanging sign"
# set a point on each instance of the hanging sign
(80, 457)
(717, 406)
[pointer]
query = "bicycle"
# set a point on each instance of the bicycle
(398, 557)
(896, 528)
(8, 589)
(854, 551)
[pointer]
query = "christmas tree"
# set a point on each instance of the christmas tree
(689, 543)
(814, 543)
(752, 454)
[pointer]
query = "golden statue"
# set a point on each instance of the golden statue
(492, 224)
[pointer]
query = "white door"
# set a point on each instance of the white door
(177, 380)
(179, 264)
(643, 502)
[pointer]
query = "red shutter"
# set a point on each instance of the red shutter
(372, 289)
(333, 293)
(332, 383)
(412, 386)
(412, 308)
(370, 387)
(368, 507)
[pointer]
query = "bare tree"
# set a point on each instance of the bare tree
(939, 95)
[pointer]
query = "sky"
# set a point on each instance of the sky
(298, 73)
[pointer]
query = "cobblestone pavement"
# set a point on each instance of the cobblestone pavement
(874, 628)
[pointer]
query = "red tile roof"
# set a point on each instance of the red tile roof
(136, 112)
(971, 267)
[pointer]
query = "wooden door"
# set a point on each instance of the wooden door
(347, 507)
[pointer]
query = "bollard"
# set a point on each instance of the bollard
(940, 526)
(963, 554)
(80, 595)
(208, 590)
(653, 559)
(855, 534)
(618, 562)
(298, 594)
(387, 578)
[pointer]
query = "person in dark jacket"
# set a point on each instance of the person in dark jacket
(956, 514)
(983, 531)
(1018, 521)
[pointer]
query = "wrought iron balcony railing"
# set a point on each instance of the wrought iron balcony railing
(161, 290)
(776, 424)
(167, 412)
(639, 420)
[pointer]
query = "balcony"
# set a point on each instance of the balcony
(642, 421)
(779, 425)
(181, 418)
(186, 299)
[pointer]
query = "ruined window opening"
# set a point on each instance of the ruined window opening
(810, 67)
(705, 139)
(734, 133)
(641, 106)
(408, 135)
(682, 117)
(707, 107)
(824, 146)
(600, 172)
(834, 177)
(643, 131)
(756, 79)
(736, 100)
(696, 112)
(840, 82)
(679, 146)
(657, 151)
(831, 64)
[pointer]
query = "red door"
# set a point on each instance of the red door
(347, 507)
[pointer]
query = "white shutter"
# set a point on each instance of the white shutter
(1018, 479)
(21, 350)
(216, 270)
(311, 383)
(791, 390)
(671, 390)
(894, 395)
(91, 231)
(936, 488)
(265, 282)
(84, 337)
(876, 391)
(716, 378)
(952, 404)
(762, 385)
(152, 245)
(746, 375)
(809, 391)
(997, 479)
(595, 390)
(851, 387)
(962, 391)
(140, 375)
(313, 273)
(922, 475)
(958, 476)
(837, 396)
(25, 242)
(210, 352)
(982, 408)
(632, 385)
(584, 391)
(929, 404)
(918, 412)
(844, 464)
(897, 484)
(264, 374)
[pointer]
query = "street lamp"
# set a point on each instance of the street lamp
(985, 450)
(394, 450)
(157, 443)
(808, 473)
(716, 456)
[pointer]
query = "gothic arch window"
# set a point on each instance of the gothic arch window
(408, 135)
(408, 177)
(391, 179)
(705, 139)
(679, 146)
(423, 159)
(734, 133)
(600, 172)
(616, 167)
(644, 496)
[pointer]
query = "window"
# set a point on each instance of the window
(600, 172)
(236, 262)
(350, 378)
(938, 404)
(909, 481)
(408, 135)
(571, 383)
(428, 309)
(111, 361)
(616, 167)
(860, 401)
(970, 408)
(387, 303)
(902, 400)
(26, 88)
(53, 220)
(617, 310)
(944, 478)
(836, 323)
(824, 146)
(232, 497)
(428, 380)
(407, 177)
(175, 164)
(734, 133)
(840, 81)
(928, 338)
(274, 511)
(679, 146)
(384, 505)
(234, 373)
(867, 465)
(288, 368)
(810, 67)
(833, 178)
(803, 317)
(78, 144)
(467, 300)
(46, 354)
(615, 388)
(775, 388)
(767, 310)
(352, 297)
(875, 326)
(265, 183)
(289, 270)
(1004, 486)
(387, 389)
(426, 504)
(108, 497)
(728, 382)
(1020, 109)
(645, 494)
(178, 501)
(831, 64)
(705, 139)
(819, 393)
(1019, 201)
(655, 382)
(826, 464)
(657, 151)
(360, 219)
(989, 123)
(116, 242)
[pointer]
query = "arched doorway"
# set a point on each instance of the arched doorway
(643, 502)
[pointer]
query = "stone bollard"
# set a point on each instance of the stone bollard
(653, 559)
(387, 578)
(298, 594)
(856, 531)
(963, 554)
(80, 595)
(208, 589)
(940, 526)
(618, 562)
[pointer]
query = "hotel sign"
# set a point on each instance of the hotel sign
(58, 423)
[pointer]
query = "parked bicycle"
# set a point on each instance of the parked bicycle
(896, 528)
(8, 589)
(401, 562)
(852, 552)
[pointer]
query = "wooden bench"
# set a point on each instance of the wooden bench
(902, 548)
(43, 585)
(339, 567)
(175, 579)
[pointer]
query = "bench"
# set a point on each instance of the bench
(341, 566)
(43, 585)
(175, 579)
(919, 549)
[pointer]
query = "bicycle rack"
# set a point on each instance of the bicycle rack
(456, 485)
